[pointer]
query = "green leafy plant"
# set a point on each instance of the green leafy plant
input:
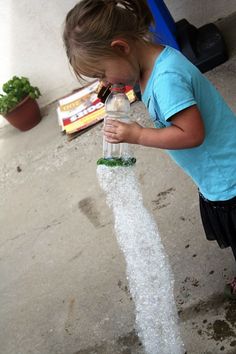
(15, 91)
(117, 161)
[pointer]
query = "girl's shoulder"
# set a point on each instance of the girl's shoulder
(173, 71)
(172, 61)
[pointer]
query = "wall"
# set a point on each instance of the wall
(31, 45)
(200, 12)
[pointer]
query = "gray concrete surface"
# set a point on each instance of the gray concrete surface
(63, 280)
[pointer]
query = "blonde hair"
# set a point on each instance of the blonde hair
(91, 26)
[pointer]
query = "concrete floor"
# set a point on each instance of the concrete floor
(63, 281)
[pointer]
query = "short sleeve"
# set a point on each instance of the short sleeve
(173, 93)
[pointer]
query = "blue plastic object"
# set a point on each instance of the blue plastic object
(165, 28)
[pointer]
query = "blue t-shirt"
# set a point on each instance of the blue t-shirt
(175, 84)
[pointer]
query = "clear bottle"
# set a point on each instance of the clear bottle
(117, 107)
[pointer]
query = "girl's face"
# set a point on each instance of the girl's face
(119, 70)
(121, 67)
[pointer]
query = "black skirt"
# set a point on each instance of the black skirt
(219, 221)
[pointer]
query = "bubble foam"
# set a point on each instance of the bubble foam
(149, 274)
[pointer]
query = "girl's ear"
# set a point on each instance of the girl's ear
(121, 46)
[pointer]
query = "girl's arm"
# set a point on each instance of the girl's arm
(186, 131)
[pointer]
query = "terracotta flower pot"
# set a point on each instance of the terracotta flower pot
(25, 115)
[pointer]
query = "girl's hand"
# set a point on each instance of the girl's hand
(187, 131)
(120, 132)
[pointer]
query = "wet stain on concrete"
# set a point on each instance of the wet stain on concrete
(161, 197)
(214, 302)
(97, 349)
(193, 281)
(126, 344)
(231, 313)
(233, 343)
(221, 330)
(89, 209)
(185, 289)
(123, 287)
(130, 340)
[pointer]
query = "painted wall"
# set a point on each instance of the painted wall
(31, 45)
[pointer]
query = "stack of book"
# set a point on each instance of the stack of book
(82, 109)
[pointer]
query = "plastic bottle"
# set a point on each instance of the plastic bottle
(117, 107)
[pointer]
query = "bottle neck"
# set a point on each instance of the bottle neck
(118, 88)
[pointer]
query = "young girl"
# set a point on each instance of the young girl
(111, 40)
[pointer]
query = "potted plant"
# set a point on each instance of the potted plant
(18, 103)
